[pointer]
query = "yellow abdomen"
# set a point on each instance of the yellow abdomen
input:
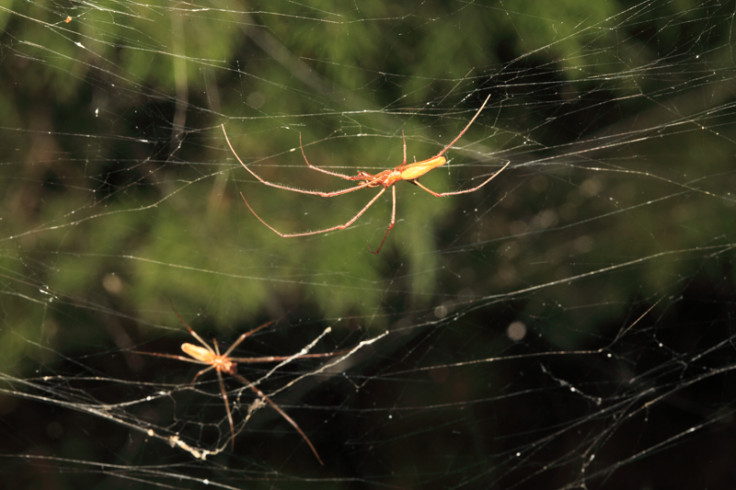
(416, 170)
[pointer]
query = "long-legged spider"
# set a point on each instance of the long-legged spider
(211, 357)
(387, 178)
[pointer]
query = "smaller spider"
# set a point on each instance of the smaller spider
(408, 172)
(211, 357)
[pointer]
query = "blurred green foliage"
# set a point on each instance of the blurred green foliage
(119, 191)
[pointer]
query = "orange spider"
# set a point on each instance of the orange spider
(385, 179)
(210, 356)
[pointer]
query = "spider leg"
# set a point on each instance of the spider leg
(170, 356)
(403, 138)
(201, 372)
(393, 216)
(317, 232)
(289, 188)
(227, 408)
(191, 331)
(278, 409)
(449, 145)
(319, 169)
(245, 336)
(255, 360)
(464, 191)
(201, 340)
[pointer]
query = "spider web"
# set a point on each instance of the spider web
(569, 325)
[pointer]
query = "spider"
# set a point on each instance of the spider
(387, 178)
(211, 357)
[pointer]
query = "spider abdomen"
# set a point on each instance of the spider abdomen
(220, 362)
(416, 170)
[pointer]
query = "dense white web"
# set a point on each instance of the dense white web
(568, 325)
